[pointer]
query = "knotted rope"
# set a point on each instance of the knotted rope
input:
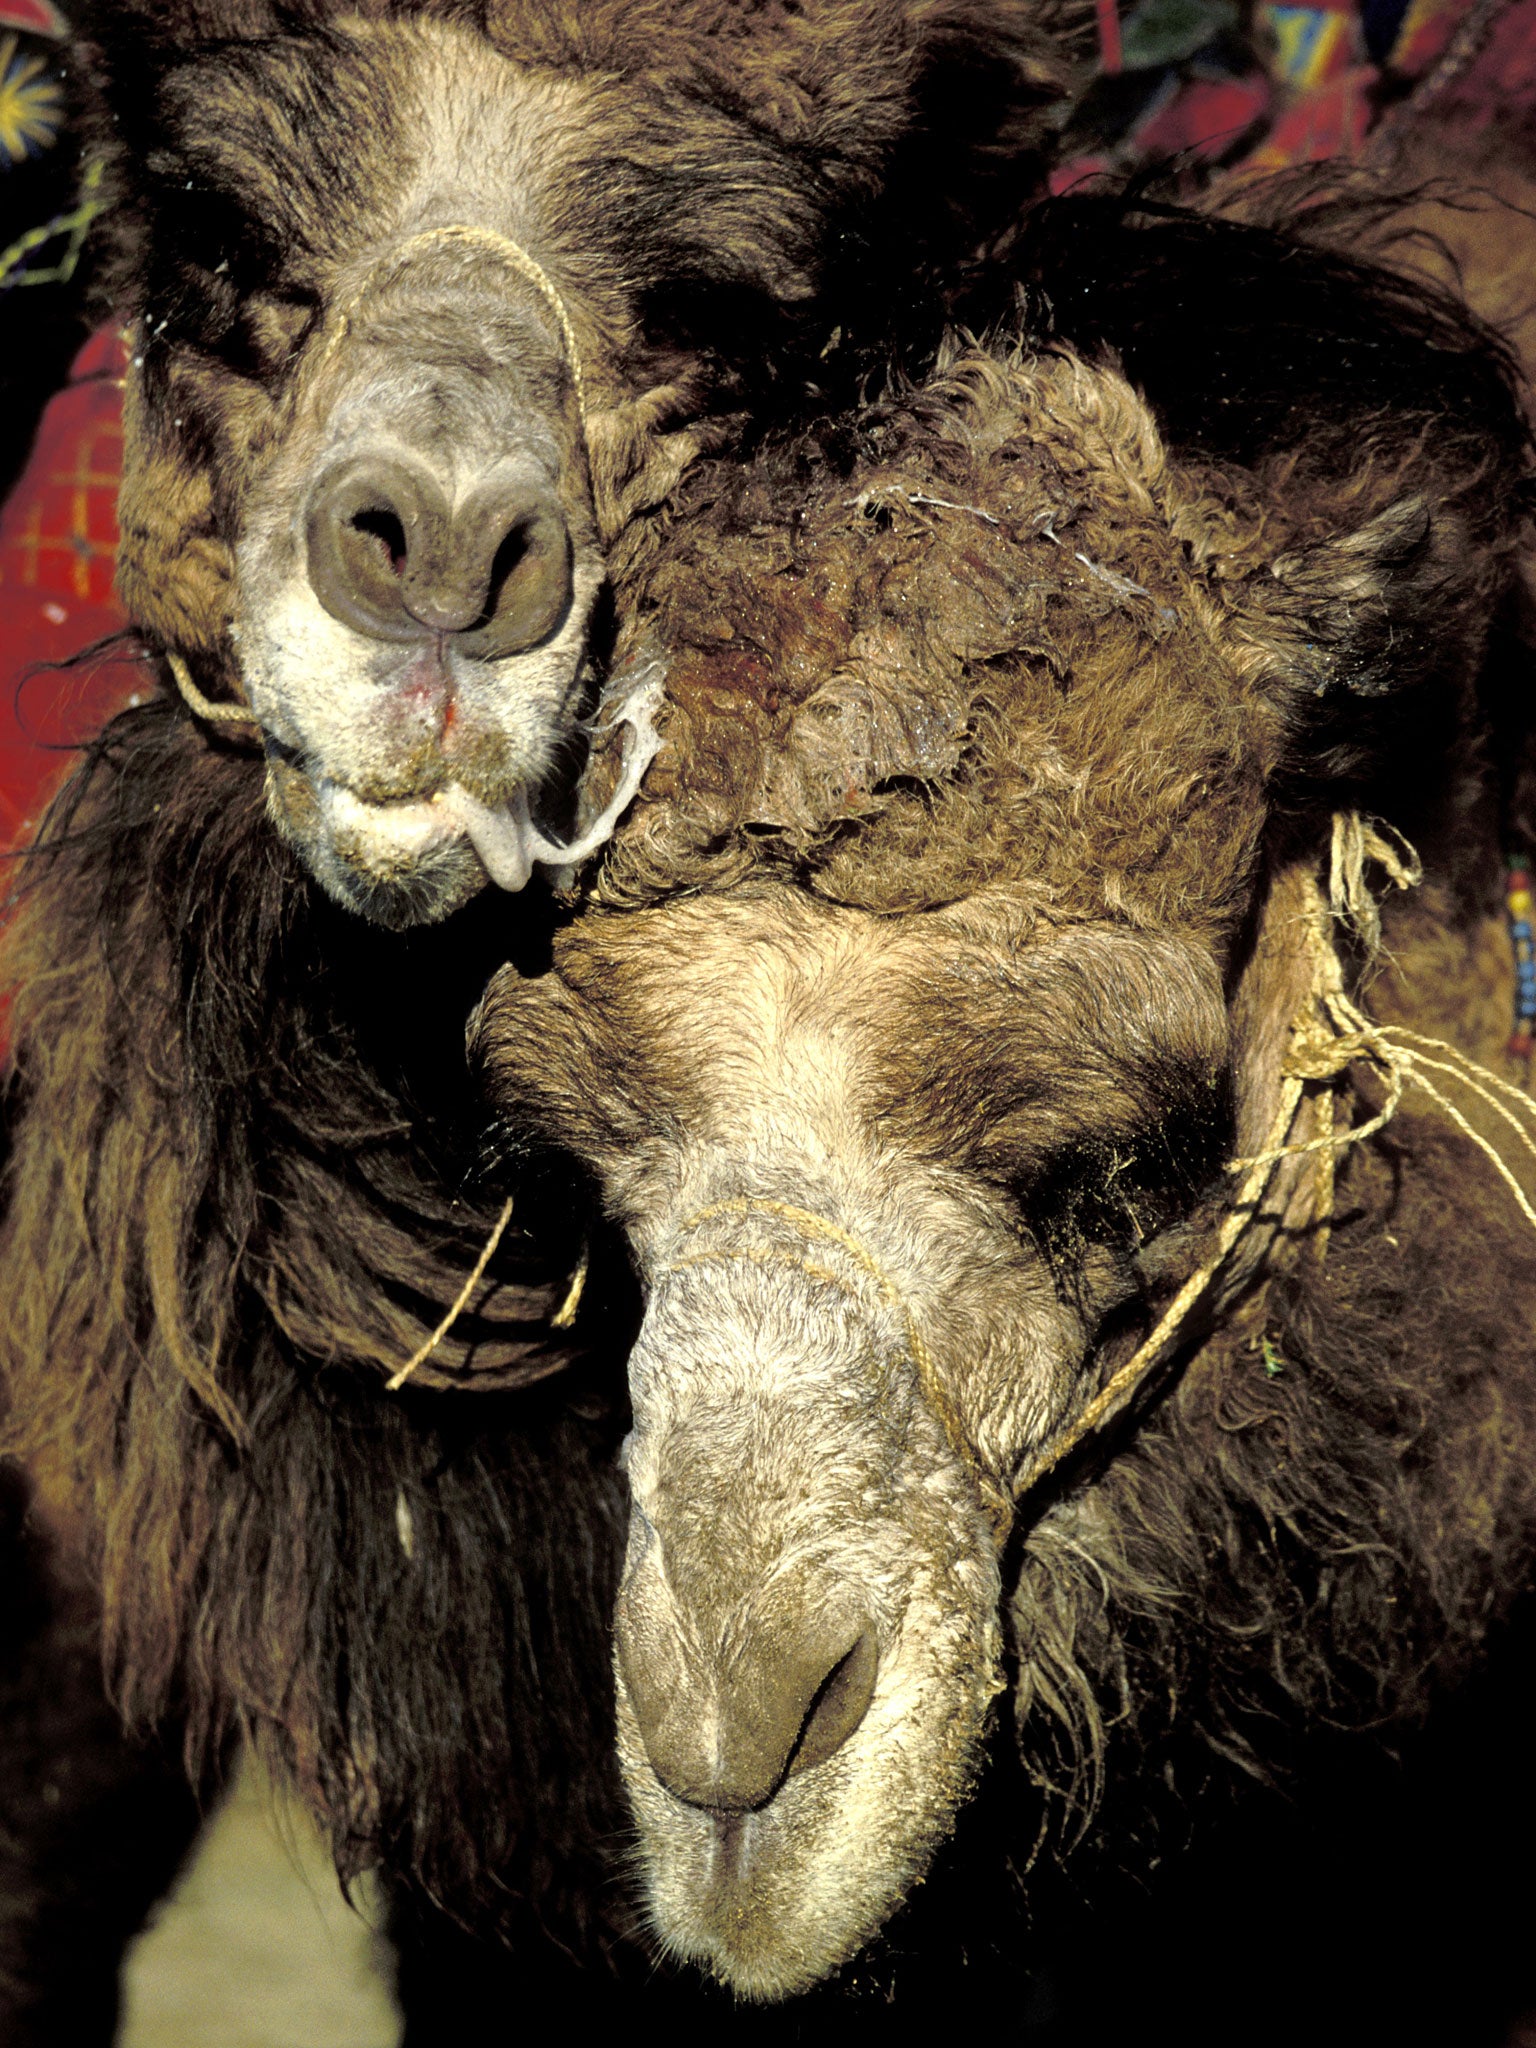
(1329, 1034)
(467, 234)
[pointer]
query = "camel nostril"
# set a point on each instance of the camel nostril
(507, 559)
(372, 524)
(522, 586)
(724, 1731)
(839, 1706)
(386, 527)
(390, 558)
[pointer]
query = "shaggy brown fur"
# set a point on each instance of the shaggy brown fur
(838, 631)
(242, 1125)
(273, 1193)
(748, 182)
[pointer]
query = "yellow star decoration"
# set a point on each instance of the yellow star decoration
(31, 104)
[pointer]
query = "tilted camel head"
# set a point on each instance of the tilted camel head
(855, 1328)
(428, 318)
(948, 954)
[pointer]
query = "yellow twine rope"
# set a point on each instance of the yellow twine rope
(425, 1351)
(1330, 1033)
(492, 243)
(1117, 1390)
(204, 707)
(565, 1314)
(466, 233)
(807, 1220)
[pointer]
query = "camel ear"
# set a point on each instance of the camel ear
(993, 72)
(1377, 611)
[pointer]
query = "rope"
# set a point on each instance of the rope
(425, 1351)
(204, 707)
(806, 1220)
(491, 243)
(1329, 1034)
(1117, 1391)
(565, 1314)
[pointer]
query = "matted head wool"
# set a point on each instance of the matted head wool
(900, 1039)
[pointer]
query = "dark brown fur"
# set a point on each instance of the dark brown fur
(997, 657)
(294, 1187)
(242, 1128)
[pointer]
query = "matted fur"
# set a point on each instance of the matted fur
(516, 265)
(272, 1193)
(1343, 1477)
(241, 1125)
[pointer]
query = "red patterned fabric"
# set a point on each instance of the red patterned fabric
(58, 543)
(38, 16)
(1500, 83)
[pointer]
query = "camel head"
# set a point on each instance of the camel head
(427, 320)
(949, 954)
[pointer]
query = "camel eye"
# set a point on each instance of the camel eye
(1118, 1193)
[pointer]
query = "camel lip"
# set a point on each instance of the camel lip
(732, 1852)
(410, 824)
(504, 837)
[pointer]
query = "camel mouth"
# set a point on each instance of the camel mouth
(801, 1712)
(773, 1901)
(416, 857)
(394, 863)
(384, 837)
(407, 770)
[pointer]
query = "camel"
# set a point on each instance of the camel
(428, 317)
(1050, 1289)
(249, 1173)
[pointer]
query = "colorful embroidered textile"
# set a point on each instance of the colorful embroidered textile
(1178, 79)
(58, 541)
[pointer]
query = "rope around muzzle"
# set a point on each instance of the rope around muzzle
(1329, 1034)
(491, 242)
(935, 1392)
